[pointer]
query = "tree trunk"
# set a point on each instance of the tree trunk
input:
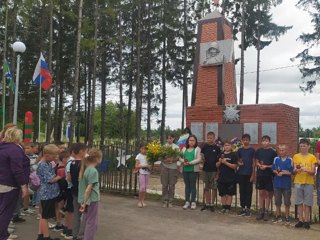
(88, 100)
(77, 71)
(258, 57)
(94, 78)
(164, 89)
(243, 29)
(103, 103)
(121, 76)
(149, 81)
(5, 59)
(48, 132)
(57, 120)
(139, 83)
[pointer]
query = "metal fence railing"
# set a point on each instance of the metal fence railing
(116, 174)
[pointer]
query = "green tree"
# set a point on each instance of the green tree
(310, 62)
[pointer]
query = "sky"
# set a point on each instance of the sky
(278, 86)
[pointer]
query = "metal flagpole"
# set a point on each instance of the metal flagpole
(39, 120)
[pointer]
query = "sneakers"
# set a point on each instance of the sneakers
(51, 225)
(248, 213)
(18, 219)
(186, 205)
(58, 228)
(28, 211)
(266, 215)
(204, 207)
(12, 236)
(223, 211)
(165, 204)
(306, 225)
(193, 206)
(242, 213)
(287, 220)
(277, 219)
(260, 215)
(299, 224)
(211, 208)
(10, 230)
(170, 205)
(68, 236)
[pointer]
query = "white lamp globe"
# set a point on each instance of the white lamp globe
(19, 47)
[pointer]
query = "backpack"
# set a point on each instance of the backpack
(34, 181)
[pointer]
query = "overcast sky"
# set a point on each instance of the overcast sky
(279, 86)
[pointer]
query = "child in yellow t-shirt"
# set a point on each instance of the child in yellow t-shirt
(304, 168)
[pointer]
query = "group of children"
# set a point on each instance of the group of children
(68, 185)
(272, 171)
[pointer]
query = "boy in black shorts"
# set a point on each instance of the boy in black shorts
(264, 158)
(210, 152)
(49, 189)
(227, 165)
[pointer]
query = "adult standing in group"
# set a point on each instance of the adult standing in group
(191, 166)
(168, 169)
(14, 176)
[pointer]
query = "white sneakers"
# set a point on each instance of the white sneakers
(186, 205)
(193, 206)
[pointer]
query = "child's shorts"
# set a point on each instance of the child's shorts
(209, 180)
(279, 193)
(226, 189)
(48, 208)
(264, 183)
(304, 194)
(69, 201)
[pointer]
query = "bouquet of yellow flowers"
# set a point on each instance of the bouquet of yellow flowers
(169, 154)
(153, 152)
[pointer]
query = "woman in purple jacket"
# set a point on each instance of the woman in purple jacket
(14, 176)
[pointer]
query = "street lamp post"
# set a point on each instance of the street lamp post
(17, 47)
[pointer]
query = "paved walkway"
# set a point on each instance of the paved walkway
(120, 219)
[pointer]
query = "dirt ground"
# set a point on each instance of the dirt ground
(120, 219)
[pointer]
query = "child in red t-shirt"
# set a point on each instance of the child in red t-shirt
(61, 171)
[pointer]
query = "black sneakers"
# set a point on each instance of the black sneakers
(299, 224)
(260, 215)
(306, 225)
(18, 219)
(204, 207)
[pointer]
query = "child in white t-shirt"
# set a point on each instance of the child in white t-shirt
(144, 173)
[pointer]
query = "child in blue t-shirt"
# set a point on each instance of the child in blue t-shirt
(282, 168)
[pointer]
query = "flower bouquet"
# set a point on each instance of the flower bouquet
(236, 144)
(153, 152)
(169, 155)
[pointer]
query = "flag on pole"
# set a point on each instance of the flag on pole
(41, 75)
(8, 75)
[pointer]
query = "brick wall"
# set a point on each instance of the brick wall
(286, 117)
(207, 77)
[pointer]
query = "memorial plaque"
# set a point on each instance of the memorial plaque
(230, 131)
(197, 129)
(270, 129)
(252, 130)
(212, 127)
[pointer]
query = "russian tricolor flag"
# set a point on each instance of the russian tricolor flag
(41, 75)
